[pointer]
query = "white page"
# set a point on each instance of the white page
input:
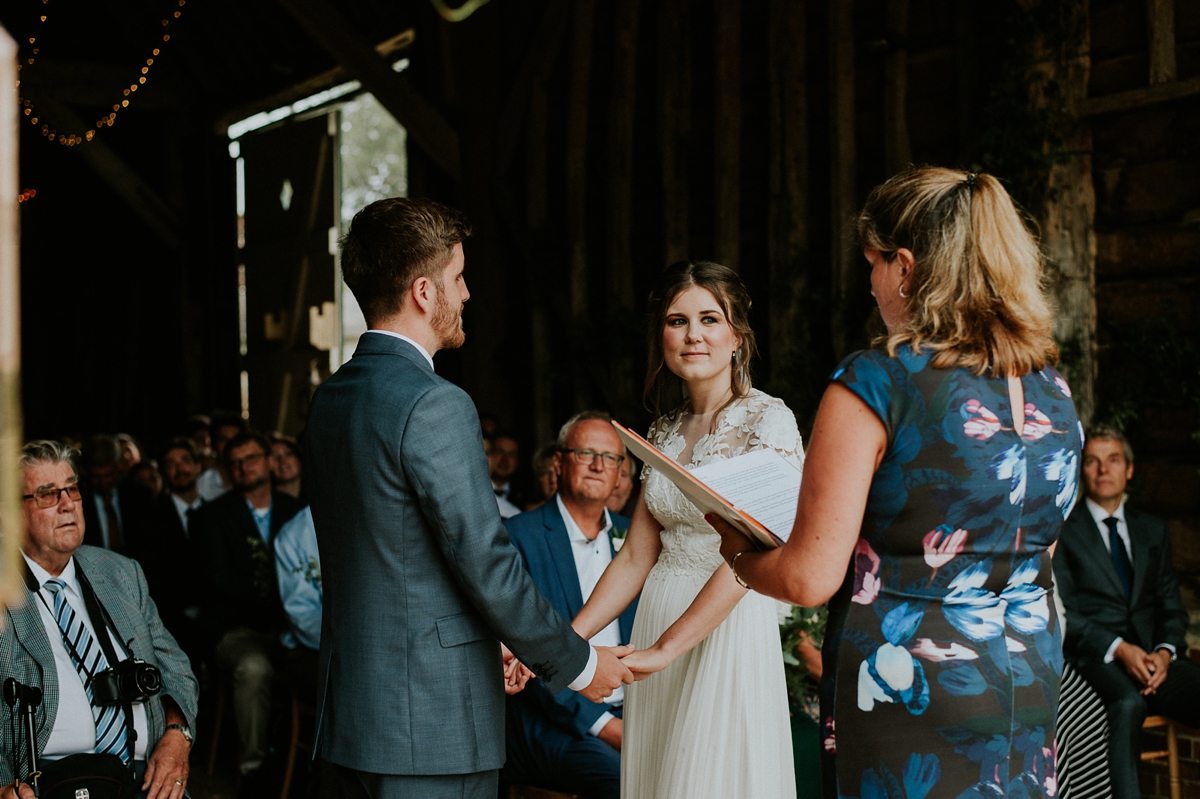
(761, 483)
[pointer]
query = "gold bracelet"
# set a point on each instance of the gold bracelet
(733, 568)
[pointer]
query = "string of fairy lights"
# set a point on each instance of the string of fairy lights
(70, 139)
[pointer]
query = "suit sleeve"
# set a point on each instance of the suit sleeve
(1170, 616)
(178, 681)
(1084, 639)
(442, 457)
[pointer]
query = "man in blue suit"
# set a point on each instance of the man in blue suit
(419, 580)
(563, 741)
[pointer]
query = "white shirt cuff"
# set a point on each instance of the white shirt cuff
(588, 674)
(604, 719)
(1167, 647)
(1112, 649)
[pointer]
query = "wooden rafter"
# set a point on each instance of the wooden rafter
(423, 122)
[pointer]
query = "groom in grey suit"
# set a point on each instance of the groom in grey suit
(420, 580)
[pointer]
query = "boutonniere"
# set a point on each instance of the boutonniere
(262, 566)
(618, 536)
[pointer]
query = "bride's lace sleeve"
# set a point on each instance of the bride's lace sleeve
(775, 427)
(654, 436)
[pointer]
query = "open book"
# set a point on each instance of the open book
(755, 492)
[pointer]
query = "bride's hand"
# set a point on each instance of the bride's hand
(732, 540)
(645, 662)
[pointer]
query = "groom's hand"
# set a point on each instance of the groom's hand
(610, 672)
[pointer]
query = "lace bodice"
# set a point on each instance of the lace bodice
(756, 421)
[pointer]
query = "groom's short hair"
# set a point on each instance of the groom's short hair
(393, 242)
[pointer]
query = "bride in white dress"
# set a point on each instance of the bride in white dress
(708, 716)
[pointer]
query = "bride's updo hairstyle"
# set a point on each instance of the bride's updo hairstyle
(975, 297)
(664, 391)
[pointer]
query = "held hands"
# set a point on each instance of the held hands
(645, 662)
(732, 540)
(515, 673)
(611, 671)
(1148, 669)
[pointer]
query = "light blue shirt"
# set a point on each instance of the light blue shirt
(298, 564)
(262, 520)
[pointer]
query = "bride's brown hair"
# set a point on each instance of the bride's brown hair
(664, 391)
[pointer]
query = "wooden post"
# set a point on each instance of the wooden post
(897, 154)
(12, 521)
(1160, 24)
(1068, 216)
(791, 334)
(674, 123)
(577, 130)
(535, 217)
(620, 200)
(841, 167)
(727, 139)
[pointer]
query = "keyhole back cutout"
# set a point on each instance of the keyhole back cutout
(1016, 400)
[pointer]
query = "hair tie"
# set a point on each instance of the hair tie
(971, 180)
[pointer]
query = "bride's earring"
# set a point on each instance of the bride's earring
(735, 354)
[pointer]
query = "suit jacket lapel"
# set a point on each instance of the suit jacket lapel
(559, 544)
(31, 633)
(1140, 553)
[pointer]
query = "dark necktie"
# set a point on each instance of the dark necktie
(1120, 557)
(115, 541)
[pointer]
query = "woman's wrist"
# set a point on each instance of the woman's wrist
(733, 566)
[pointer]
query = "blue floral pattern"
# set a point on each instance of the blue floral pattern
(943, 643)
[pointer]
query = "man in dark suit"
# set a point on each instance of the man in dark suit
(167, 553)
(54, 617)
(564, 741)
(1125, 621)
(420, 582)
(116, 511)
(234, 538)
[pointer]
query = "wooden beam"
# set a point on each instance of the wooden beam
(539, 58)
(897, 153)
(119, 176)
(577, 140)
(306, 88)
(727, 132)
(674, 123)
(425, 125)
(790, 329)
(841, 167)
(1160, 24)
(1140, 98)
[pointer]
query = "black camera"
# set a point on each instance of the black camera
(127, 682)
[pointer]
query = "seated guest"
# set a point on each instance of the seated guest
(131, 453)
(146, 473)
(234, 537)
(624, 496)
(167, 553)
(1125, 618)
(115, 509)
(298, 568)
(502, 462)
(55, 624)
(563, 741)
(196, 428)
(285, 465)
(215, 480)
(544, 475)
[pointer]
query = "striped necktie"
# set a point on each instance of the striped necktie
(110, 721)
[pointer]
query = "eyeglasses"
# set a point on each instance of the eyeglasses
(49, 497)
(235, 463)
(588, 456)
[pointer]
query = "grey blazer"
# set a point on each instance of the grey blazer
(1097, 611)
(420, 580)
(121, 588)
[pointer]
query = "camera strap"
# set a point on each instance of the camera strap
(100, 618)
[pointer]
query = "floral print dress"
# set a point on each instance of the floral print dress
(943, 652)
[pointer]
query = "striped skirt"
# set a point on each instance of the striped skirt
(1082, 740)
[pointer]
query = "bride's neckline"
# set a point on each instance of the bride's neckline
(716, 429)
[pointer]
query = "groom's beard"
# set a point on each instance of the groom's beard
(447, 323)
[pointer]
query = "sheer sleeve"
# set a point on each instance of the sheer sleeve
(776, 429)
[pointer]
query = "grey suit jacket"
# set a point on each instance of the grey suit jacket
(419, 576)
(1097, 611)
(121, 588)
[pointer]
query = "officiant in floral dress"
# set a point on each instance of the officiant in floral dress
(940, 469)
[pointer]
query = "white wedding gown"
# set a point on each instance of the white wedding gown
(715, 722)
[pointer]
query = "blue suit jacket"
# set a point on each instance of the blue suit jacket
(541, 537)
(419, 580)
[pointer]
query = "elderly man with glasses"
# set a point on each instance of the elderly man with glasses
(73, 595)
(564, 741)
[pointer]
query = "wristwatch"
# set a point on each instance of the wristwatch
(185, 730)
